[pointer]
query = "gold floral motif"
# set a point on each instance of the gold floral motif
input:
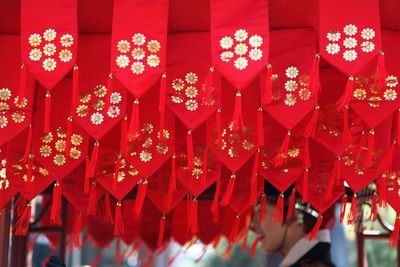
(43, 171)
(191, 105)
(145, 156)
(4, 106)
(61, 132)
(59, 159)
(20, 104)
(165, 135)
(191, 91)
(18, 116)
(191, 78)
(100, 91)
(374, 101)
(197, 173)
(390, 94)
(233, 152)
(98, 105)
(60, 145)
(45, 151)
(247, 145)
(360, 94)
(304, 94)
(76, 139)
(148, 142)
(47, 138)
(82, 110)
(290, 100)
(5, 94)
(85, 98)
(3, 121)
(162, 148)
(293, 152)
(147, 128)
(178, 84)
(197, 161)
(153, 46)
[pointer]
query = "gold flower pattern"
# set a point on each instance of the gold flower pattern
(235, 143)
(11, 109)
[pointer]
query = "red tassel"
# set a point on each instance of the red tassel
(381, 72)
(347, 94)
(22, 84)
(93, 159)
(307, 159)
(244, 241)
(353, 213)
(263, 209)
(75, 87)
(334, 178)
(291, 204)
(116, 172)
(109, 90)
(76, 232)
(29, 174)
(87, 178)
(374, 211)
(203, 177)
(124, 137)
(219, 127)
(215, 206)
(253, 179)
(229, 190)
(140, 196)
(260, 127)
(234, 230)
(207, 87)
(134, 127)
(281, 157)
(394, 237)
(313, 82)
(69, 134)
(385, 166)
(28, 144)
(381, 184)
(47, 112)
(277, 215)
(23, 223)
(309, 130)
(20, 205)
(343, 208)
(172, 183)
(119, 228)
(93, 207)
(346, 135)
(55, 217)
(161, 232)
(237, 118)
(371, 149)
(107, 209)
(161, 105)
(253, 250)
(306, 176)
(190, 154)
(315, 229)
(267, 97)
(193, 217)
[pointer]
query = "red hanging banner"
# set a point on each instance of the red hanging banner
(239, 39)
(49, 38)
(138, 46)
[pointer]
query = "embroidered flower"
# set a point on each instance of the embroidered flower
(122, 61)
(85, 98)
(100, 91)
(290, 100)
(20, 104)
(233, 152)
(65, 55)
(350, 55)
(191, 91)
(35, 54)
(197, 172)
(178, 84)
(18, 117)
(304, 94)
(49, 49)
(67, 40)
(61, 133)
(191, 105)
(75, 153)
(98, 105)
(359, 94)
(76, 139)
(97, 118)
(165, 134)
(255, 54)
(145, 156)
(350, 42)
(3, 121)
(138, 53)
(241, 49)
(191, 78)
(293, 152)
(35, 39)
(123, 46)
(115, 98)
(292, 72)
(82, 110)
(49, 35)
(241, 63)
(247, 145)
(177, 99)
(226, 56)
(59, 159)
(45, 151)
(332, 49)
(350, 29)
(137, 68)
(241, 35)
(138, 39)
(4, 106)
(374, 101)
(290, 85)
(390, 94)
(113, 111)
(255, 41)
(60, 145)
(5, 94)
(367, 33)
(367, 46)
(153, 61)
(333, 36)
(147, 128)
(47, 138)
(226, 42)
(391, 81)
(49, 64)
(153, 46)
